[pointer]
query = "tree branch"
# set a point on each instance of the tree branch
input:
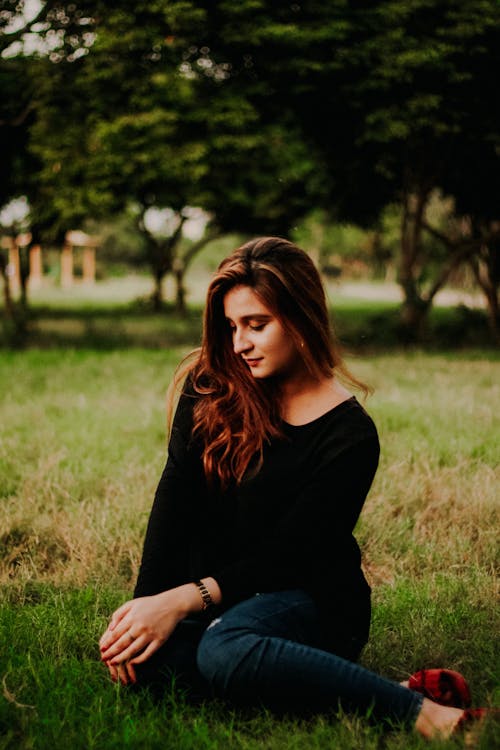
(438, 235)
(473, 243)
(190, 253)
(459, 256)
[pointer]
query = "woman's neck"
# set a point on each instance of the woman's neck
(305, 398)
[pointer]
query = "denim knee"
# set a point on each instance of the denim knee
(216, 655)
(238, 649)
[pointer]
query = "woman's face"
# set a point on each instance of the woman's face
(259, 337)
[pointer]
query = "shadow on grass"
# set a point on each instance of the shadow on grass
(108, 328)
(360, 327)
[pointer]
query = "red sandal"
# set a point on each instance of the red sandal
(442, 686)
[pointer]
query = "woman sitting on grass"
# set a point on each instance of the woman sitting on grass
(250, 585)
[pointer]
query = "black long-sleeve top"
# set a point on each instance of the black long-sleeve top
(288, 527)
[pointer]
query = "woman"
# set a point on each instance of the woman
(251, 585)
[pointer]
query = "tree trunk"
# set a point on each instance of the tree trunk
(161, 252)
(157, 296)
(494, 316)
(7, 298)
(15, 318)
(180, 267)
(24, 272)
(486, 267)
(179, 271)
(414, 309)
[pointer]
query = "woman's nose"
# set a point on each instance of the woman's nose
(240, 342)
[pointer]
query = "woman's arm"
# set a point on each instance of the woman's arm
(166, 545)
(140, 626)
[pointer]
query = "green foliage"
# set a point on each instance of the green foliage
(261, 112)
(139, 126)
(389, 96)
(121, 244)
(339, 248)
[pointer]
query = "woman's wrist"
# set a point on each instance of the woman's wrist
(190, 599)
(203, 594)
(214, 589)
(208, 591)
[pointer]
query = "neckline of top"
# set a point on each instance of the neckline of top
(346, 402)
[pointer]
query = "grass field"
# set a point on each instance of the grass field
(116, 314)
(82, 446)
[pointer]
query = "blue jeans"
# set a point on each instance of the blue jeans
(264, 650)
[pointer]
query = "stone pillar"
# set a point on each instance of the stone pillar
(36, 271)
(89, 265)
(67, 265)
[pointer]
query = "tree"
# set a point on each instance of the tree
(28, 39)
(258, 111)
(138, 126)
(385, 92)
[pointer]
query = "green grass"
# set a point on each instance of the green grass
(81, 448)
(58, 695)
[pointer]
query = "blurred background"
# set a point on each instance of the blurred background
(141, 142)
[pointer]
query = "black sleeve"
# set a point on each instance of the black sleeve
(166, 546)
(312, 547)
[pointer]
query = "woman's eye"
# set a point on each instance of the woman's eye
(258, 327)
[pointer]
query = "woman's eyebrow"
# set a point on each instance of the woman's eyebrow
(253, 316)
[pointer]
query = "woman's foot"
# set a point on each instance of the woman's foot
(435, 721)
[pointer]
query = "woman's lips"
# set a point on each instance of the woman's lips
(253, 362)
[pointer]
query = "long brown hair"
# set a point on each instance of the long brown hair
(239, 414)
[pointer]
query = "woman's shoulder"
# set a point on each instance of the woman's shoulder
(343, 416)
(350, 423)
(183, 416)
(346, 428)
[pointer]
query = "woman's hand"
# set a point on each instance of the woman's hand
(140, 626)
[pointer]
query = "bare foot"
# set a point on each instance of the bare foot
(437, 721)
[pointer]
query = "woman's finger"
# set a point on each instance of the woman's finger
(153, 646)
(110, 638)
(118, 672)
(115, 620)
(132, 648)
(113, 671)
(118, 614)
(122, 674)
(131, 672)
(118, 646)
